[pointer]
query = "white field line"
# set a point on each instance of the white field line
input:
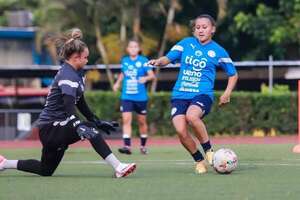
(188, 162)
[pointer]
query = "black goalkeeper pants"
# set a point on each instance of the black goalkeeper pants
(55, 138)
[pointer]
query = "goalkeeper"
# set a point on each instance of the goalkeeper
(58, 124)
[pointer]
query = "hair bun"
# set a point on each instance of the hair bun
(76, 33)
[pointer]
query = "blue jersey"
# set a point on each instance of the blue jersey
(132, 70)
(67, 81)
(198, 65)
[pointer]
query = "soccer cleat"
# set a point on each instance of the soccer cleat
(143, 150)
(209, 156)
(125, 150)
(200, 167)
(125, 170)
(2, 161)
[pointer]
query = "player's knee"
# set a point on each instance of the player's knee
(192, 118)
(142, 123)
(184, 136)
(127, 122)
(47, 172)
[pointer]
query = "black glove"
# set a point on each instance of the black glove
(106, 126)
(86, 130)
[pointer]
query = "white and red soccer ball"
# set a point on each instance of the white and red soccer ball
(225, 161)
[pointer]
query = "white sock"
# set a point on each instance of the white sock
(11, 164)
(113, 161)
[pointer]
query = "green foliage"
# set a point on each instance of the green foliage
(245, 113)
(277, 89)
(272, 25)
(259, 27)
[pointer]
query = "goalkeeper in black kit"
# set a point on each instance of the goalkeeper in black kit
(58, 124)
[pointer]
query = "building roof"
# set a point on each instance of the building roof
(17, 32)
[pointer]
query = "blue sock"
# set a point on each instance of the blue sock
(197, 156)
(127, 142)
(143, 140)
(206, 146)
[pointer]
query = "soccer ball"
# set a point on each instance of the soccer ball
(225, 161)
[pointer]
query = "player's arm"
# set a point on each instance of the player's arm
(150, 76)
(85, 109)
(225, 97)
(117, 84)
(90, 116)
(160, 62)
(226, 63)
(69, 105)
(173, 55)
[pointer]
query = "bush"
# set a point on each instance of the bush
(247, 111)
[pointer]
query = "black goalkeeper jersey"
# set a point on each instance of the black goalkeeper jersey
(67, 81)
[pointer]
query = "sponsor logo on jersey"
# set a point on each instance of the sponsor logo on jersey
(198, 64)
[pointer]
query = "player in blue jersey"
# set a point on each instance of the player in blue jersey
(133, 77)
(58, 123)
(192, 95)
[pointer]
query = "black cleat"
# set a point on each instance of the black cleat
(125, 150)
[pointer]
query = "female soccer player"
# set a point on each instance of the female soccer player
(134, 74)
(192, 94)
(58, 123)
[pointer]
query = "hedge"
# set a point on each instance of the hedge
(247, 112)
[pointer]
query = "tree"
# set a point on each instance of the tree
(174, 5)
(273, 26)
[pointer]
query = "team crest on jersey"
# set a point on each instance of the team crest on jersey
(211, 53)
(138, 64)
(198, 53)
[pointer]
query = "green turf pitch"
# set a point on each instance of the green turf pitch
(264, 172)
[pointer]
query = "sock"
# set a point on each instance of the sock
(113, 161)
(127, 140)
(206, 146)
(11, 164)
(143, 139)
(197, 156)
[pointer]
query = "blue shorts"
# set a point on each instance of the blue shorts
(180, 106)
(140, 107)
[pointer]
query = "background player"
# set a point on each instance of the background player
(192, 94)
(133, 77)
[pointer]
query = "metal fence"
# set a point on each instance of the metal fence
(46, 70)
(17, 123)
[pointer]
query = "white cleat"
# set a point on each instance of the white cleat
(2, 161)
(125, 170)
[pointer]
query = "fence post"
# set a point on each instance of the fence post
(270, 73)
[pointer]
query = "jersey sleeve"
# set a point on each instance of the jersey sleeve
(226, 63)
(146, 67)
(68, 86)
(176, 51)
(122, 65)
